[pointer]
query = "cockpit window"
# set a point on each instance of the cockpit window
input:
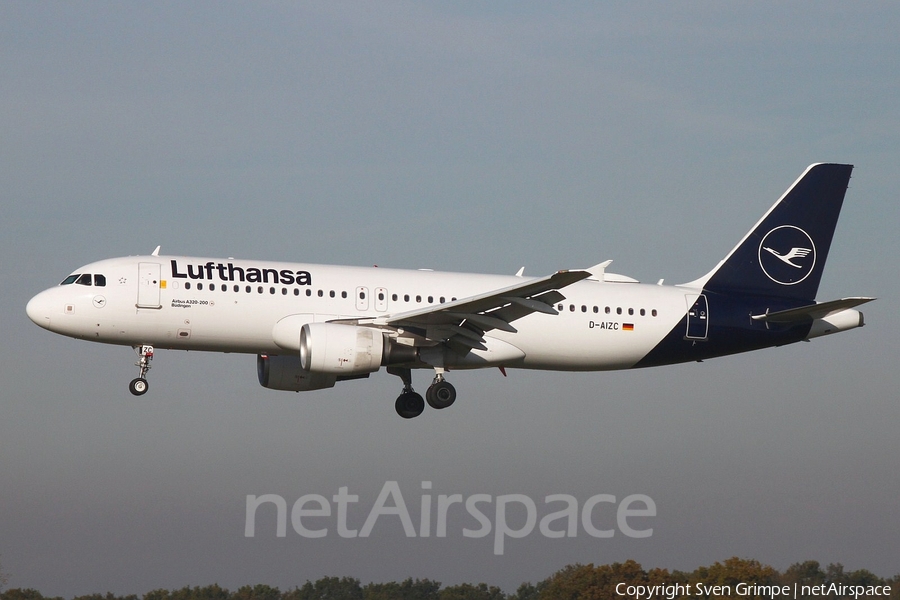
(85, 279)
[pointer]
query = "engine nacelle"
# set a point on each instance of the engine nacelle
(340, 349)
(285, 373)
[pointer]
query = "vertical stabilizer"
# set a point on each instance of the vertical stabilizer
(784, 254)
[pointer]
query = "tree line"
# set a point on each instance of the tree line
(574, 582)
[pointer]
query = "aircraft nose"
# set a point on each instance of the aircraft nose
(38, 310)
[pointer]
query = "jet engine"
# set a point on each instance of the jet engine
(285, 373)
(338, 349)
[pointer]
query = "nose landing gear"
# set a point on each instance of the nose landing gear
(139, 385)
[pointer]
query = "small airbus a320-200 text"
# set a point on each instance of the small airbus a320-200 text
(314, 325)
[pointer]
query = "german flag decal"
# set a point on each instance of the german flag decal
(627, 326)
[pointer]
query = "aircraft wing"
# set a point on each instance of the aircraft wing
(813, 311)
(464, 322)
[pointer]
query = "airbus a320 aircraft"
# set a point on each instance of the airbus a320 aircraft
(314, 325)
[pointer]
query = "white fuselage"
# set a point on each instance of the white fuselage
(231, 305)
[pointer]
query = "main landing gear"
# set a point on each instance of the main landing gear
(139, 385)
(440, 393)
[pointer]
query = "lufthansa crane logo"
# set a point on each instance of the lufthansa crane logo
(787, 255)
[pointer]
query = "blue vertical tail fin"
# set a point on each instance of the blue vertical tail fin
(784, 254)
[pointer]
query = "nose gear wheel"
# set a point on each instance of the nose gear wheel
(139, 385)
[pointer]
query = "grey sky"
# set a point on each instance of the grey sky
(464, 138)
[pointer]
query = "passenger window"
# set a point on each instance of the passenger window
(199, 286)
(84, 280)
(100, 280)
(187, 285)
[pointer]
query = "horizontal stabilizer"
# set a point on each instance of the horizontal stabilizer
(813, 311)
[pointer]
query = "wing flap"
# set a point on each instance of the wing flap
(532, 304)
(484, 321)
(444, 332)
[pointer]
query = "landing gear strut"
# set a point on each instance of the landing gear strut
(409, 404)
(139, 386)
